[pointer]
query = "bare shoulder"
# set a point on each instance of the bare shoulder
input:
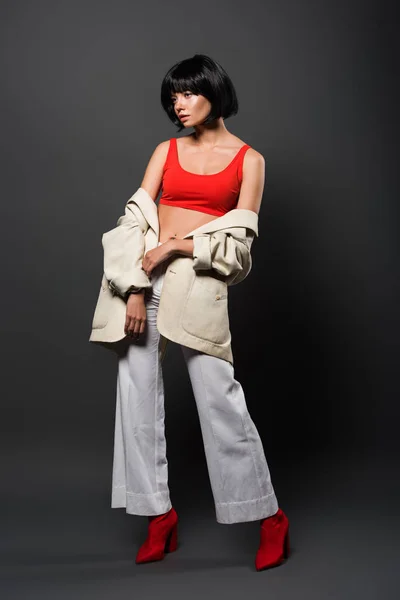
(161, 150)
(252, 157)
(159, 154)
(253, 161)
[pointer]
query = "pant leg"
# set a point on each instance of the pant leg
(140, 466)
(237, 467)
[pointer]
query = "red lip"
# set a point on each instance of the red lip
(184, 117)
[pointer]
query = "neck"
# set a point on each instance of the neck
(210, 135)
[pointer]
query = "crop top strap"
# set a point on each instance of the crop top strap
(171, 154)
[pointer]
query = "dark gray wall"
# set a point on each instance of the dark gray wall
(315, 326)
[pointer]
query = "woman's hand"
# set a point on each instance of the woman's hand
(136, 315)
(154, 257)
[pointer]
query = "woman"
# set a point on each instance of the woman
(203, 176)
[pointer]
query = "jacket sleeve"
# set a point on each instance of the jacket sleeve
(124, 250)
(227, 251)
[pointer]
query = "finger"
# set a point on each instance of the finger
(136, 330)
(131, 327)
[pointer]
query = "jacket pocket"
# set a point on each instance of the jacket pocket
(205, 312)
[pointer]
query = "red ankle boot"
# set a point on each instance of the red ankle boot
(274, 541)
(161, 538)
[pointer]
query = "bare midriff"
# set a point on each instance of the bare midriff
(177, 222)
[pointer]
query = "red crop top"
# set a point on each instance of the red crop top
(214, 194)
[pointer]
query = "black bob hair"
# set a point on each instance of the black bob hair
(200, 75)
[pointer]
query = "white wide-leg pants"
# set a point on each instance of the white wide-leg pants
(237, 467)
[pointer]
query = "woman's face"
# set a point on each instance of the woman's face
(197, 107)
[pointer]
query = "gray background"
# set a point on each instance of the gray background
(315, 326)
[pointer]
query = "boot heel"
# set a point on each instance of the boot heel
(172, 540)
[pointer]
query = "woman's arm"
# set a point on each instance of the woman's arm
(253, 180)
(152, 178)
(184, 247)
(124, 245)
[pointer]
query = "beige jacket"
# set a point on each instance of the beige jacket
(193, 308)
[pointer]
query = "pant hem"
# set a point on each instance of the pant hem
(140, 504)
(248, 510)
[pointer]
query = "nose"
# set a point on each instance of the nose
(179, 106)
